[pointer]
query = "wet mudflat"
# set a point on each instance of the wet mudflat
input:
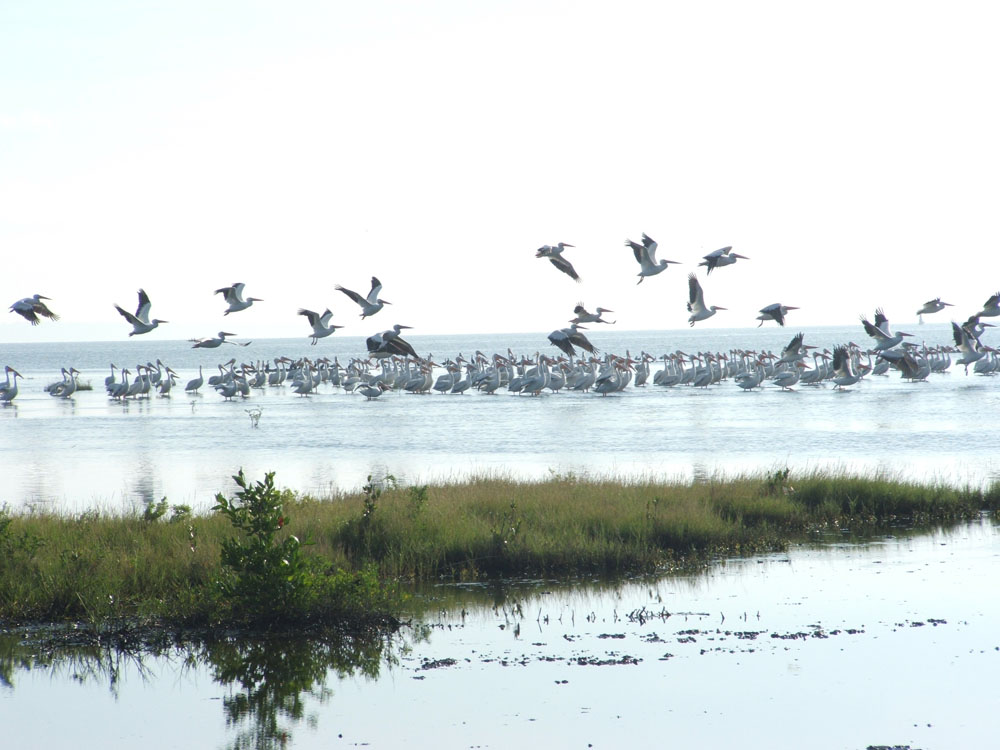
(892, 642)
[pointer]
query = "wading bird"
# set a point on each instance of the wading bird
(234, 297)
(645, 255)
(843, 370)
(554, 254)
(370, 304)
(30, 308)
(321, 324)
(140, 321)
(696, 302)
(724, 256)
(932, 306)
(775, 312)
(212, 343)
(8, 392)
(582, 316)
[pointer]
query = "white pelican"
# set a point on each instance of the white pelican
(696, 302)
(843, 372)
(234, 297)
(388, 343)
(645, 256)
(372, 390)
(567, 338)
(140, 321)
(968, 344)
(776, 312)
(582, 316)
(30, 308)
(212, 343)
(554, 254)
(9, 391)
(884, 338)
(321, 324)
(932, 306)
(370, 304)
(796, 350)
(992, 307)
(724, 256)
(195, 383)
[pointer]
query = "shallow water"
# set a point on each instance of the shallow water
(89, 451)
(891, 642)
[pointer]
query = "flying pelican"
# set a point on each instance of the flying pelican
(554, 254)
(140, 321)
(932, 306)
(30, 308)
(582, 316)
(696, 302)
(645, 255)
(884, 338)
(234, 297)
(968, 344)
(369, 305)
(776, 312)
(796, 350)
(843, 372)
(321, 324)
(724, 256)
(389, 343)
(992, 307)
(567, 338)
(212, 343)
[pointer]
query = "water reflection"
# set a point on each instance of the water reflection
(271, 680)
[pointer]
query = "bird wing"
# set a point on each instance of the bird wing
(795, 345)
(128, 316)
(353, 295)
(649, 242)
(375, 292)
(565, 266)
(873, 331)
(580, 309)
(142, 311)
(637, 250)
(993, 301)
(696, 298)
(881, 320)
(311, 316)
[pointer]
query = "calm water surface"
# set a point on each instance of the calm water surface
(894, 642)
(89, 451)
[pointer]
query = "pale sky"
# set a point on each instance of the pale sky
(849, 149)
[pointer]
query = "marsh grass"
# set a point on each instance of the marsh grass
(164, 566)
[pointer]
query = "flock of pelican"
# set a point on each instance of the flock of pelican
(391, 363)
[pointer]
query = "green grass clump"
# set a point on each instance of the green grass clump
(242, 565)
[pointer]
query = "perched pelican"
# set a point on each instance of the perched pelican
(372, 390)
(992, 307)
(140, 321)
(554, 254)
(582, 316)
(234, 297)
(212, 343)
(696, 302)
(843, 371)
(645, 256)
(932, 306)
(370, 304)
(8, 392)
(884, 338)
(724, 256)
(567, 338)
(196, 383)
(388, 343)
(321, 324)
(776, 312)
(30, 308)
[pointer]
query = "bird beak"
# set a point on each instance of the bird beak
(789, 307)
(43, 297)
(737, 255)
(224, 333)
(566, 244)
(402, 326)
(385, 302)
(904, 334)
(721, 308)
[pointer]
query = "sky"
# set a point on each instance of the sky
(850, 150)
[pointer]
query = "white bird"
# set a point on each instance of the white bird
(234, 297)
(724, 256)
(582, 316)
(370, 304)
(30, 308)
(140, 321)
(884, 338)
(645, 256)
(389, 343)
(968, 344)
(843, 371)
(776, 312)
(567, 338)
(992, 307)
(212, 343)
(9, 391)
(554, 254)
(696, 302)
(932, 306)
(195, 383)
(321, 324)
